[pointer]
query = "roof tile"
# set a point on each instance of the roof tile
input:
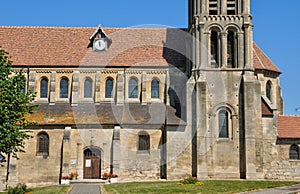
(288, 126)
(261, 61)
(67, 47)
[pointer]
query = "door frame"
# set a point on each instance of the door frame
(93, 154)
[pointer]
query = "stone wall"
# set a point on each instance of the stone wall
(135, 164)
(179, 161)
(81, 139)
(38, 170)
(284, 170)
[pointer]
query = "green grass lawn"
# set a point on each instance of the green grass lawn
(210, 186)
(48, 190)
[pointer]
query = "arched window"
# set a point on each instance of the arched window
(231, 50)
(133, 88)
(154, 88)
(44, 88)
(213, 7)
(223, 118)
(268, 90)
(88, 88)
(64, 88)
(43, 144)
(294, 152)
(144, 141)
(109, 86)
(231, 7)
(214, 49)
(92, 152)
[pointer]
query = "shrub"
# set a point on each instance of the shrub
(20, 188)
(189, 180)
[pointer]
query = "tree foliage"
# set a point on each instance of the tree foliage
(14, 105)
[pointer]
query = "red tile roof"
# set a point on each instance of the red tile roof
(288, 126)
(67, 47)
(261, 61)
(56, 46)
(265, 109)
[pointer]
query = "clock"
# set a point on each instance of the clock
(99, 45)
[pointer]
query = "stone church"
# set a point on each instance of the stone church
(153, 103)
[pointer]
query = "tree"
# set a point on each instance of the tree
(15, 104)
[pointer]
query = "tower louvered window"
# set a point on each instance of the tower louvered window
(214, 49)
(231, 7)
(213, 7)
(231, 50)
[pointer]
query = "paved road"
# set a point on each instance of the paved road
(281, 190)
(95, 189)
(85, 189)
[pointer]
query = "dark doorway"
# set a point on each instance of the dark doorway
(92, 163)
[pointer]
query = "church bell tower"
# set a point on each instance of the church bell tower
(221, 90)
(223, 34)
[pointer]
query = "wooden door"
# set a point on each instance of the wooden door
(92, 164)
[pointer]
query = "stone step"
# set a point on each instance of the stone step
(88, 181)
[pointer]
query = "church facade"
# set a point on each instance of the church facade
(153, 103)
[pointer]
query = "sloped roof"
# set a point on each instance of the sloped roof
(288, 126)
(261, 61)
(104, 114)
(67, 47)
(266, 110)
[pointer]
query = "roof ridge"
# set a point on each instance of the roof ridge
(88, 27)
(284, 115)
(83, 27)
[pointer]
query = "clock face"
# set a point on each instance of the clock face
(99, 45)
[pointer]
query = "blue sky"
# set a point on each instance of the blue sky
(276, 28)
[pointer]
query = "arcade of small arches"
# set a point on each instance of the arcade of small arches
(224, 50)
(109, 85)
